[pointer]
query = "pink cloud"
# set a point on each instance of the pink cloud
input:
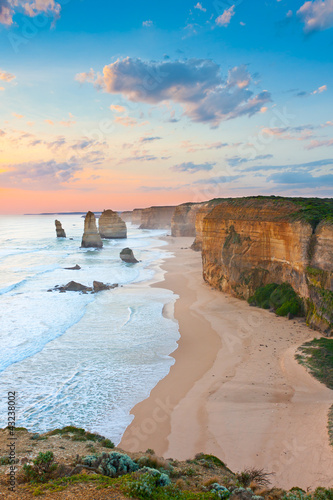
(31, 8)
(317, 15)
(225, 18)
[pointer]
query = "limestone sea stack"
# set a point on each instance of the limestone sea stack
(59, 230)
(127, 256)
(91, 237)
(111, 225)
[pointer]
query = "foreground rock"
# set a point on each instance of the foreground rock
(73, 286)
(59, 230)
(91, 237)
(111, 225)
(74, 268)
(127, 256)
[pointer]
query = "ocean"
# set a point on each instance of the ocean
(80, 359)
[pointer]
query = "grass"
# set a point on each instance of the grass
(317, 356)
(79, 434)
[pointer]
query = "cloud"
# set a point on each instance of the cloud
(45, 175)
(4, 75)
(117, 108)
(304, 181)
(319, 144)
(16, 115)
(31, 8)
(200, 7)
(193, 148)
(288, 133)
(317, 15)
(126, 121)
(237, 160)
(147, 24)
(149, 139)
(192, 168)
(195, 83)
(320, 90)
(49, 122)
(225, 18)
(299, 167)
(67, 123)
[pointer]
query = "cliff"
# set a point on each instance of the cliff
(183, 220)
(157, 217)
(250, 242)
(204, 210)
(126, 216)
(136, 216)
(91, 237)
(111, 226)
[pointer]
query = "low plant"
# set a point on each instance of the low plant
(42, 468)
(252, 475)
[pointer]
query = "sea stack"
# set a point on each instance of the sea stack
(111, 225)
(127, 256)
(59, 230)
(91, 237)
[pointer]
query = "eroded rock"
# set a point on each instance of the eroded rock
(91, 237)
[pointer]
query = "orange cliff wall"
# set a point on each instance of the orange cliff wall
(249, 243)
(204, 210)
(157, 217)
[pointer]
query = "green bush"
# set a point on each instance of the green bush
(281, 298)
(42, 468)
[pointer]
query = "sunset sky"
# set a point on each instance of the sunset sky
(130, 104)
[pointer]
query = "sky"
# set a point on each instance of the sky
(124, 105)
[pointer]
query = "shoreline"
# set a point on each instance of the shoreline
(235, 389)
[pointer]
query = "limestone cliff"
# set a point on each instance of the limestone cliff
(250, 242)
(111, 226)
(183, 220)
(91, 237)
(136, 216)
(59, 230)
(126, 216)
(157, 217)
(204, 210)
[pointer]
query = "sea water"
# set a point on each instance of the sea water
(72, 358)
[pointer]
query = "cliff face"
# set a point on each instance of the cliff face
(157, 217)
(126, 216)
(111, 225)
(250, 243)
(205, 209)
(59, 229)
(136, 216)
(183, 220)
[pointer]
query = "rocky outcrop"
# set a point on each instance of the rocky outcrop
(59, 230)
(127, 256)
(73, 286)
(74, 268)
(204, 210)
(111, 226)
(250, 242)
(157, 217)
(183, 220)
(91, 237)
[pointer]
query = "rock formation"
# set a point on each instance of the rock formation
(183, 220)
(91, 237)
(73, 286)
(126, 216)
(204, 210)
(157, 217)
(59, 230)
(136, 216)
(111, 226)
(250, 242)
(127, 256)
(74, 268)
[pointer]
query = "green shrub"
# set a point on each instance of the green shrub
(113, 464)
(281, 298)
(42, 468)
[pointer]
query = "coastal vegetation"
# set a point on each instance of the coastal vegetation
(281, 298)
(317, 357)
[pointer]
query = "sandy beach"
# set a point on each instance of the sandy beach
(235, 389)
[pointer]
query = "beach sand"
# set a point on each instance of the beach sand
(235, 389)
